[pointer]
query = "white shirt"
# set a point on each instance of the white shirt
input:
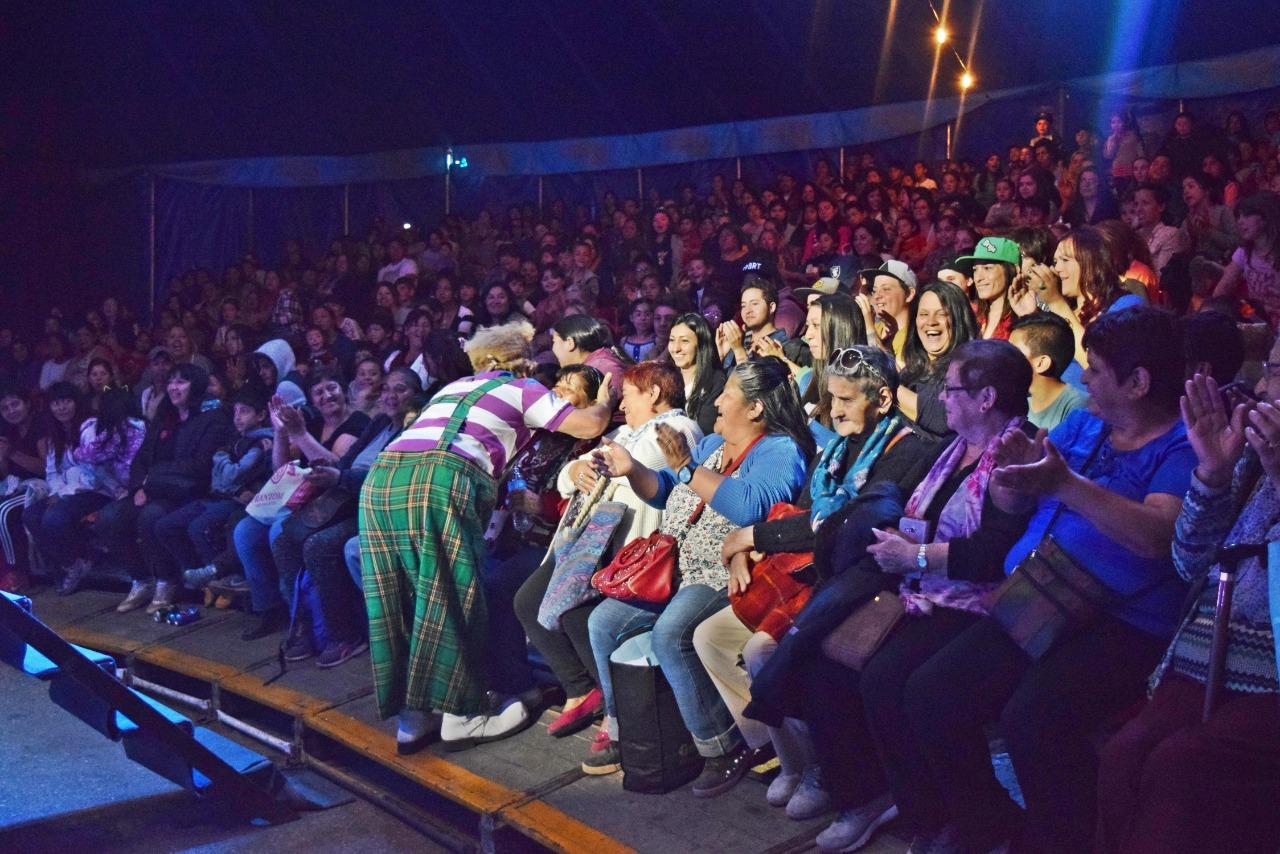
(393, 272)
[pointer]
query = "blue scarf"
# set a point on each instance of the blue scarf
(829, 494)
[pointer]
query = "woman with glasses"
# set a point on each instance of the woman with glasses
(941, 320)
(873, 443)
(1107, 484)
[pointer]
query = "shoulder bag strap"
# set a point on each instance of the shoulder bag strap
(728, 471)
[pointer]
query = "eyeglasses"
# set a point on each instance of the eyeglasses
(852, 359)
(956, 389)
(1271, 369)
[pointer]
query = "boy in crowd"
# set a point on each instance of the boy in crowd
(1050, 346)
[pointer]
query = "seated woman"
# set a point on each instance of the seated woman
(853, 716)
(873, 443)
(520, 532)
(314, 540)
(833, 322)
(87, 467)
(1169, 782)
(172, 467)
(322, 442)
(24, 444)
(1107, 485)
(651, 396)
(692, 349)
(583, 340)
(763, 435)
(941, 320)
(423, 510)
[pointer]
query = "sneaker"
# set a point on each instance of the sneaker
(198, 579)
(853, 828)
(606, 760)
(458, 732)
(139, 594)
(722, 773)
(416, 731)
(299, 646)
(166, 596)
(232, 585)
(340, 652)
(75, 574)
(580, 716)
(781, 789)
(810, 800)
(269, 622)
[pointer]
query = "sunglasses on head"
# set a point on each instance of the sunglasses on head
(852, 359)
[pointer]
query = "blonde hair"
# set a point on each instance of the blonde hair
(502, 348)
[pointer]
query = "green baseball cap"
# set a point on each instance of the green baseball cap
(990, 250)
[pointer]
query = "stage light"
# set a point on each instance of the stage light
(448, 158)
(966, 81)
(461, 163)
(408, 225)
(940, 35)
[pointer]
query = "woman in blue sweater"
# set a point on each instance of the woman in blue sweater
(763, 436)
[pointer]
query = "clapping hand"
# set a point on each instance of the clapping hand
(1044, 476)
(1022, 298)
(675, 447)
(285, 418)
(611, 459)
(1263, 435)
(1217, 433)
(765, 346)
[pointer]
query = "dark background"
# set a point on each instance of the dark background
(113, 84)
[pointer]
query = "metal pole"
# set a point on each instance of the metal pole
(1062, 113)
(446, 190)
(948, 140)
(841, 164)
(346, 209)
(738, 168)
(252, 247)
(151, 244)
(640, 185)
(539, 197)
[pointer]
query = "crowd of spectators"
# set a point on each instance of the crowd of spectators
(914, 375)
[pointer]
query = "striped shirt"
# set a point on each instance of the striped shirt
(499, 424)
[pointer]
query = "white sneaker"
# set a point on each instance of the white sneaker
(166, 595)
(810, 799)
(416, 729)
(139, 595)
(458, 732)
(853, 828)
(781, 789)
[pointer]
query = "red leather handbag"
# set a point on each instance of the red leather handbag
(778, 588)
(645, 569)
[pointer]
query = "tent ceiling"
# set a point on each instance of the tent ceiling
(119, 83)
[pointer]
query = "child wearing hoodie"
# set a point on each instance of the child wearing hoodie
(196, 534)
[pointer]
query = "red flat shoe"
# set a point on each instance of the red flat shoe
(580, 716)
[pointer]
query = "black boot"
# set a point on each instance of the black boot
(269, 622)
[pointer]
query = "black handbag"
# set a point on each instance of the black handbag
(1048, 596)
(320, 512)
(658, 754)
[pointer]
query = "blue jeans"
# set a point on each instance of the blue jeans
(58, 528)
(351, 554)
(190, 532)
(704, 712)
(253, 547)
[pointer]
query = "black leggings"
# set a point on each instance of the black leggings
(568, 650)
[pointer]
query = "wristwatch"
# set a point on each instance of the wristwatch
(686, 473)
(922, 557)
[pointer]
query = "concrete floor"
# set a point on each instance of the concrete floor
(63, 787)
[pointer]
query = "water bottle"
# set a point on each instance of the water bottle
(520, 520)
(183, 616)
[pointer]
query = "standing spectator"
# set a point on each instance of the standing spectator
(1122, 148)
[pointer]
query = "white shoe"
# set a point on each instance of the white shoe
(416, 729)
(781, 789)
(810, 799)
(139, 595)
(853, 828)
(166, 595)
(458, 732)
